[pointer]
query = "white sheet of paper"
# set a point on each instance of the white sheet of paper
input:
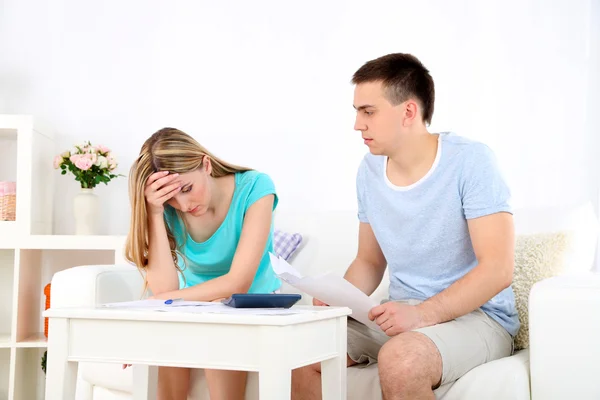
(331, 289)
(223, 309)
(199, 307)
(153, 303)
(284, 270)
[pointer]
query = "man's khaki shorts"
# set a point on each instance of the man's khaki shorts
(463, 343)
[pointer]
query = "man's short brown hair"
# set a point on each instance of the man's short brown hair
(403, 76)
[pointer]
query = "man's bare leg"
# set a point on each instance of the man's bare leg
(410, 366)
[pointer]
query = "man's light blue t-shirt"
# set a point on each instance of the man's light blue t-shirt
(422, 228)
(213, 257)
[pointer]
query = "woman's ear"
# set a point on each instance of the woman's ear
(207, 165)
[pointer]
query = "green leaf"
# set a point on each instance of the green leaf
(44, 361)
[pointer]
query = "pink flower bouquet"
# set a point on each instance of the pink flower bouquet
(91, 165)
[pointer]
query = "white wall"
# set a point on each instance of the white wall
(266, 83)
(593, 105)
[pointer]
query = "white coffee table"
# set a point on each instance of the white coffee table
(273, 345)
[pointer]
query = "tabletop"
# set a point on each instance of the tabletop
(305, 314)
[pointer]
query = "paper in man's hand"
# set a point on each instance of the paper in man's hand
(284, 271)
(331, 289)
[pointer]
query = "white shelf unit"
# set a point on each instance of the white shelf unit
(4, 372)
(30, 255)
(27, 150)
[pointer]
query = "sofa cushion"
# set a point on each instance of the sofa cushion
(285, 244)
(550, 241)
(109, 376)
(101, 393)
(505, 378)
(579, 221)
(537, 257)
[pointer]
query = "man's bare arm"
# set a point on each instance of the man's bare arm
(493, 242)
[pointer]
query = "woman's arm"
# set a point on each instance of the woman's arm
(161, 272)
(250, 249)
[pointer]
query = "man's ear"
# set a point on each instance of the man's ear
(411, 110)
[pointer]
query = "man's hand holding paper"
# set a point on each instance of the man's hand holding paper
(329, 289)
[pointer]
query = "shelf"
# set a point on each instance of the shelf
(9, 239)
(11, 124)
(36, 267)
(4, 372)
(8, 134)
(35, 340)
(7, 261)
(4, 340)
(31, 379)
(8, 228)
(73, 242)
(27, 262)
(8, 234)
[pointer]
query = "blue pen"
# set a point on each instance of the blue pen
(170, 301)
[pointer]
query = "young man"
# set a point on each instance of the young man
(434, 209)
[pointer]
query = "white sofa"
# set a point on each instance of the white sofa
(330, 242)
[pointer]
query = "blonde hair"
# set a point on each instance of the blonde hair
(172, 150)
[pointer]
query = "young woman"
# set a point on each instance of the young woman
(201, 229)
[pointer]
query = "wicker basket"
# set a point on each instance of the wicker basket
(8, 201)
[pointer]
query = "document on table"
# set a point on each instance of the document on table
(329, 288)
(217, 308)
(198, 307)
(155, 304)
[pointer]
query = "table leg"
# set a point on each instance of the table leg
(61, 377)
(333, 371)
(274, 383)
(145, 382)
(275, 372)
